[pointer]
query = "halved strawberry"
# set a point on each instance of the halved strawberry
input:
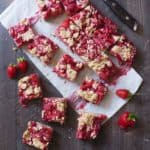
(22, 64)
(12, 71)
(126, 120)
(123, 93)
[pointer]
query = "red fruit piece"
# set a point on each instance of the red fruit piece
(126, 120)
(123, 93)
(12, 71)
(22, 64)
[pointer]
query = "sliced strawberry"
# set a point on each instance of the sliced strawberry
(22, 64)
(123, 93)
(126, 120)
(12, 71)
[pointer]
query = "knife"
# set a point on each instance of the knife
(123, 14)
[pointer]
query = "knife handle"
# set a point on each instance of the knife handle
(122, 14)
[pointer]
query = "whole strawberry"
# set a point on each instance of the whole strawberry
(22, 64)
(127, 120)
(12, 71)
(123, 93)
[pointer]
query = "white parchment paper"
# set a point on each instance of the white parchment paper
(21, 9)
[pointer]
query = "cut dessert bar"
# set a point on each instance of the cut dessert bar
(89, 125)
(37, 135)
(74, 6)
(68, 32)
(54, 109)
(43, 48)
(104, 67)
(89, 19)
(21, 33)
(50, 8)
(29, 88)
(68, 68)
(124, 50)
(92, 91)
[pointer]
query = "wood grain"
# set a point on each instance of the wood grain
(14, 118)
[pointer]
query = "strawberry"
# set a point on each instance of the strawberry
(123, 93)
(11, 71)
(126, 120)
(22, 64)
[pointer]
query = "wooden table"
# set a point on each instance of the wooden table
(14, 118)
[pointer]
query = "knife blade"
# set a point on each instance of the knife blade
(123, 14)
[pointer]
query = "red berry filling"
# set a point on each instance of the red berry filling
(92, 91)
(89, 125)
(54, 109)
(74, 6)
(37, 135)
(68, 68)
(29, 88)
(43, 48)
(104, 39)
(22, 33)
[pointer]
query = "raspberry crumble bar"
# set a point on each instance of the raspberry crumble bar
(50, 8)
(88, 20)
(54, 109)
(92, 91)
(68, 32)
(124, 50)
(89, 125)
(74, 6)
(43, 48)
(104, 67)
(22, 33)
(29, 88)
(68, 68)
(37, 135)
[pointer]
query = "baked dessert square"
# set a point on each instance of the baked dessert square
(124, 51)
(68, 68)
(74, 6)
(37, 135)
(54, 109)
(21, 33)
(50, 8)
(29, 88)
(89, 19)
(89, 125)
(92, 91)
(43, 48)
(104, 67)
(68, 32)
(86, 48)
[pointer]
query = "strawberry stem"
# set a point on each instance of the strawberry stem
(132, 117)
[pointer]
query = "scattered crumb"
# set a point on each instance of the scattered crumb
(14, 48)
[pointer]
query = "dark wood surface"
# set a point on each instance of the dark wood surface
(13, 118)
